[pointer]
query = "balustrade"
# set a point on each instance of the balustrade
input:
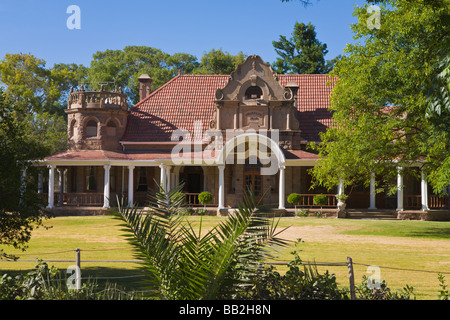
(97, 99)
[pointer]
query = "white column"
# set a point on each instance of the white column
(424, 192)
(281, 188)
(51, 186)
(221, 187)
(60, 185)
(400, 190)
(340, 188)
(106, 186)
(372, 193)
(130, 186)
(168, 178)
(163, 177)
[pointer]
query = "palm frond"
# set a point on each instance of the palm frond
(184, 263)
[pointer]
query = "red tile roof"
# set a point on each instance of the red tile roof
(299, 154)
(175, 105)
(129, 155)
(313, 101)
(189, 98)
(88, 155)
(156, 155)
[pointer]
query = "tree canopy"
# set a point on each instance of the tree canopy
(303, 53)
(219, 62)
(20, 207)
(382, 104)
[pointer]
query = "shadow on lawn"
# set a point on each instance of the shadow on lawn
(432, 232)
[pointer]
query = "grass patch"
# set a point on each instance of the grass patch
(413, 229)
(409, 245)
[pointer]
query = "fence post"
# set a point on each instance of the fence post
(78, 271)
(351, 277)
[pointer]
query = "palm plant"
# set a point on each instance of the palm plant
(183, 263)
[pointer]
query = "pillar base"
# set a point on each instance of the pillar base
(222, 212)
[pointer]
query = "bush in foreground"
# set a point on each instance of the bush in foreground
(47, 283)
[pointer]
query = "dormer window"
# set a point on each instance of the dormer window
(91, 129)
(253, 92)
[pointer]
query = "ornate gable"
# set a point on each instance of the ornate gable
(252, 74)
(254, 98)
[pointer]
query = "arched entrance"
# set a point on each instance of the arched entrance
(273, 162)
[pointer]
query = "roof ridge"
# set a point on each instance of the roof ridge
(205, 75)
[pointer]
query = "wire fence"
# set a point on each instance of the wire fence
(78, 261)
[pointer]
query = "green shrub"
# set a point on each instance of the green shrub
(300, 282)
(201, 211)
(47, 283)
(186, 211)
(364, 292)
(444, 293)
(304, 282)
(295, 199)
(320, 200)
(205, 197)
(302, 213)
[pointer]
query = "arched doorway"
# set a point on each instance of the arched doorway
(266, 149)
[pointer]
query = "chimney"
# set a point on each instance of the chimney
(145, 87)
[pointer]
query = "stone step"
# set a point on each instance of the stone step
(376, 215)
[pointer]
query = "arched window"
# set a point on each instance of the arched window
(111, 129)
(253, 92)
(91, 129)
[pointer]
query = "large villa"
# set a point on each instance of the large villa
(217, 133)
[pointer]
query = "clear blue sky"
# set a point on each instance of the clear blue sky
(191, 26)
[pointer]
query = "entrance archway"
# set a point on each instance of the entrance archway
(276, 162)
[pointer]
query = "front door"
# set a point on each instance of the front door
(193, 183)
(252, 179)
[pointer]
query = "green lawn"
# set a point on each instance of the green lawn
(422, 246)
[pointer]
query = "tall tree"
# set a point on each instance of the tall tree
(219, 62)
(20, 207)
(28, 84)
(123, 68)
(383, 112)
(183, 62)
(303, 53)
(38, 96)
